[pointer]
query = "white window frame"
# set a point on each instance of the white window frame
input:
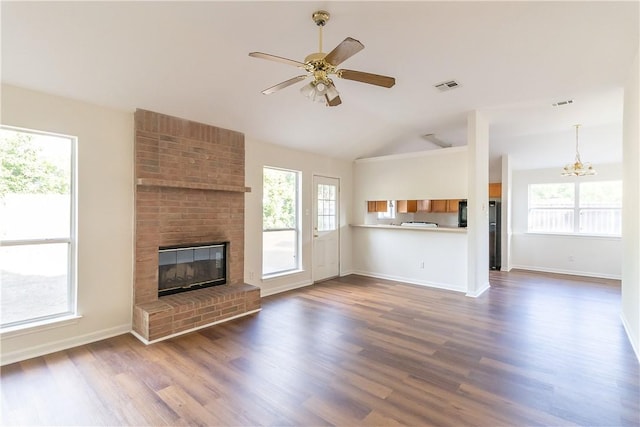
(71, 241)
(296, 229)
(576, 209)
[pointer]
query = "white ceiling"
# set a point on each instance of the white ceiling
(190, 59)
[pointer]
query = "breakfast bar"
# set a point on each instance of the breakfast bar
(422, 255)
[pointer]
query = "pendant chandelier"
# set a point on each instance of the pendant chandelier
(578, 168)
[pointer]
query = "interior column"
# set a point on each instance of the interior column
(478, 200)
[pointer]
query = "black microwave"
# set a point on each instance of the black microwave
(462, 213)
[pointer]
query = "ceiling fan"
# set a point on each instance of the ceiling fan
(320, 66)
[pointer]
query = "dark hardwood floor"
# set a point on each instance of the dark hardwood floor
(536, 349)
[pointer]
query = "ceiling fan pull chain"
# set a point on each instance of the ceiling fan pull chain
(577, 151)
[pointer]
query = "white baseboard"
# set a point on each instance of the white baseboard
(64, 344)
(634, 345)
(563, 271)
(479, 292)
(410, 280)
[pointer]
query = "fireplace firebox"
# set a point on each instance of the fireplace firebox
(188, 267)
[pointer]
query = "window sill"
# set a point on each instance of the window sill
(43, 325)
(579, 236)
(281, 274)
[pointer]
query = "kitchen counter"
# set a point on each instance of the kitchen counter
(430, 256)
(443, 228)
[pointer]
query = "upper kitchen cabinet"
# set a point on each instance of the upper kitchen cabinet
(407, 206)
(444, 206)
(376, 206)
(452, 205)
(438, 205)
(495, 190)
(424, 206)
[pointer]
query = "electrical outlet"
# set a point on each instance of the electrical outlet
(422, 264)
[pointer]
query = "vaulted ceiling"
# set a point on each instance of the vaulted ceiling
(513, 60)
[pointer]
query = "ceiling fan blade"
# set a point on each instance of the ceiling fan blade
(333, 102)
(283, 84)
(373, 79)
(277, 59)
(344, 51)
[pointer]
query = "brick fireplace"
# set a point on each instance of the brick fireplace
(189, 190)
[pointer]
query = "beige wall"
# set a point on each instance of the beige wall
(105, 217)
(436, 259)
(260, 154)
(631, 209)
(436, 174)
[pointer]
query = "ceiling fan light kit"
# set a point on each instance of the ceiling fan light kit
(320, 66)
(578, 168)
(320, 91)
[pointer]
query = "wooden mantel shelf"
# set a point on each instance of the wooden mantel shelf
(155, 182)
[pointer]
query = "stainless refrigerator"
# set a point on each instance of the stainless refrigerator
(494, 235)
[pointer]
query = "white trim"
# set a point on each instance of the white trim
(43, 325)
(64, 344)
(636, 350)
(571, 235)
(477, 293)
(563, 271)
(445, 286)
(284, 288)
(147, 342)
(279, 274)
(24, 242)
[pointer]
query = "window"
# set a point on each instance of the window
(326, 218)
(280, 222)
(37, 248)
(592, 207)
(551, 208)
(390, 212)
(600, 209)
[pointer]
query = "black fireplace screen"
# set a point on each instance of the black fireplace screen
(191, 267)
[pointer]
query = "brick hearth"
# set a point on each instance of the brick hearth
(189, 190)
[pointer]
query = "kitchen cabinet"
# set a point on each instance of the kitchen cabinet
(444, 206)
(438, 205)
(406, 206)
(495, 190)
(376, 206)
(452, 205)
(424, 206)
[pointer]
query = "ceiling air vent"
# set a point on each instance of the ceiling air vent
(558, 104)
(445, 86)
